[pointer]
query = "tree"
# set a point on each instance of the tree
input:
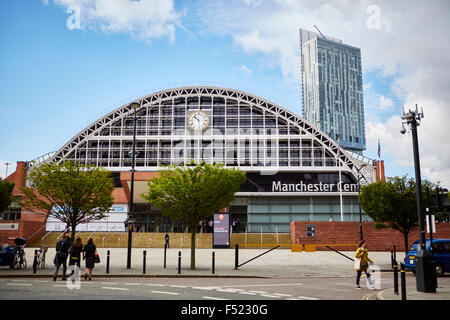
(6, 197)
(70, 192)
(193, 193)
(392, 204)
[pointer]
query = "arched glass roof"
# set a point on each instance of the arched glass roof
(208, 124)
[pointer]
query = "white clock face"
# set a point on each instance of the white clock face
(198, 120)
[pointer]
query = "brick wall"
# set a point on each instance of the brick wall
(30, 230)
(347, 232)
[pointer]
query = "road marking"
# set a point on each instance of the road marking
(265, 285)
(133, 284)
(165, 292)
(260, 292)
(270, 296)
(155, 285)
(213, 298)
(19, 284)
(204, 288)
(114, 288)
(307, 298)
(283, 294)
(249, 293)
(226, 290)
(42, 281)
(177, 286)
(369, 295)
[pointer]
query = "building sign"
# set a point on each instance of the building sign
(9, 226)
(221, 237)
(277, 186)
(300, 182)
(114, 222)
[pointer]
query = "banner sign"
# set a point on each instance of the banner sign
(221, 237)
(114, 221)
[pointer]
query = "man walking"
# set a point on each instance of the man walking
(166, 237)
(62, 252)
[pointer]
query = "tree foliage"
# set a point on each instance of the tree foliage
(6, 197)
(193, 193)
(70, 192)
(393, 204)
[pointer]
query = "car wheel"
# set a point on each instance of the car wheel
(439, 270)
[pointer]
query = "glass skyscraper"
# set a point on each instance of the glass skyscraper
(332, 89)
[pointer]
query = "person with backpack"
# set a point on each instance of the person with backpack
(62, 252)
(75, 252)
(166, 238)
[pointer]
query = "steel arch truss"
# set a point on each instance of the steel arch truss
(347, 162)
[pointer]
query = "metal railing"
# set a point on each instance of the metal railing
(31, 236)
(45, 236)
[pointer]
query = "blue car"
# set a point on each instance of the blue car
(441, 255)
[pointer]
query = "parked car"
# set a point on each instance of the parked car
(441, 255)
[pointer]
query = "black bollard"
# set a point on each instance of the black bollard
(107, 261)
(144, 262)
(403, 280)
(236, 257)
(179, 262)
(395, 254)
(213, 262)
(165, 249)
(35, 261)
(395, 277)
(392, 259)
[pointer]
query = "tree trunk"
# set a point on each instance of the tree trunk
(405, 235)
(72, 237)
(193, 247)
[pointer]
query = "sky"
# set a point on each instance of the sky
(65, 63)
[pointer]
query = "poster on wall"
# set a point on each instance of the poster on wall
(113, 222)
(221, 236)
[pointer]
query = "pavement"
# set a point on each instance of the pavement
(442, 293)
(278, 263)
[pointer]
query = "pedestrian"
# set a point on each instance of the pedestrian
(62, 251)
(89, 252)
(362, 264)
(167, 238)
(75, 253)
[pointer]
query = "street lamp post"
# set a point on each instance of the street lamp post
(133, 106)
(359, 203)
(425, 269)
(6, 173)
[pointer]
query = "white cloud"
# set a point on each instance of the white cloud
(144, 19)
(245, 70)
(253, 3)
(386, 103)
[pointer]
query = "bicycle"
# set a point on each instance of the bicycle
(20, 261)
(41, 257)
